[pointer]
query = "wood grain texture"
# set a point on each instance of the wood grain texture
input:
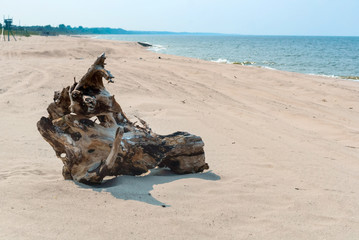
(91, 150)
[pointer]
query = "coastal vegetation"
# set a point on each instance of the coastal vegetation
(63, 29)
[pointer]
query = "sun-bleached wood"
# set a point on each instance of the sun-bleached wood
(114, 145)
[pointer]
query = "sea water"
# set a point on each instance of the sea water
(331, 56)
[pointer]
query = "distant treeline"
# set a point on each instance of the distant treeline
(63, 29)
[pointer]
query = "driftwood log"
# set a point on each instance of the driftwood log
(93, 137)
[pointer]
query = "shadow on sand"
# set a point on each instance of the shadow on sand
(138, 187)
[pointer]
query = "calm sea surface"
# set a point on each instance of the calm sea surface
(332, 56)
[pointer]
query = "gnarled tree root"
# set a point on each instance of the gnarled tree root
(114, 146)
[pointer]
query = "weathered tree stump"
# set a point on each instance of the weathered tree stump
(114, 145)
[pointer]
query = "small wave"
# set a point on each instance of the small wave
(322, 75)
(269, 63)
(245, 63)
(270, 68)
(157, 48)
(350, 77)
(221, 60)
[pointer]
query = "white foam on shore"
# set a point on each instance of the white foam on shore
(347, 78)
(157, 48)
(221, 60)
(323, 75)
(270, 68)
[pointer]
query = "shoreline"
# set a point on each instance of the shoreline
(282, 149)
(275, 59)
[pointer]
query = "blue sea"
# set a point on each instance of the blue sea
(331, 56)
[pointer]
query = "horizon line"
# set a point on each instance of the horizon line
(159, 32)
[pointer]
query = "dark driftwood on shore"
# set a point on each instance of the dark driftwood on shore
(114, 145)
(143, 44)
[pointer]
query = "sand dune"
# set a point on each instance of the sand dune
(283, 149)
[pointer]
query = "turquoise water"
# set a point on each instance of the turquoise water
(332, 56)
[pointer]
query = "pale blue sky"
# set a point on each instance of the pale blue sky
(257, 17)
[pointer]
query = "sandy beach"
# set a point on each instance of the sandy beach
(283, 149)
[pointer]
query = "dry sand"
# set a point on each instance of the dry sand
(283, 149)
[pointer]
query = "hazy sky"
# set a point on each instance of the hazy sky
(258, 17)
